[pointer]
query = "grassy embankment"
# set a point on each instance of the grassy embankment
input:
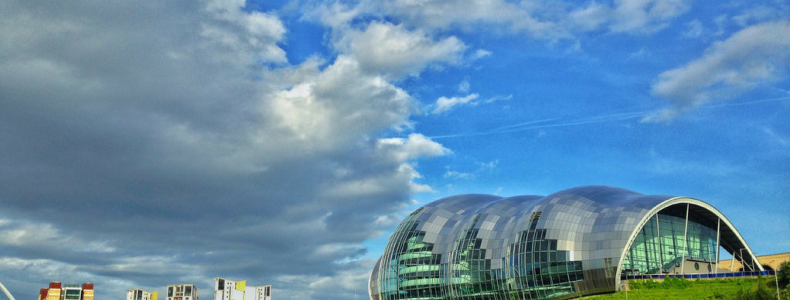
(674, 288)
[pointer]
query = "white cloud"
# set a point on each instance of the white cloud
(645, 15)
(247, 35)
(463, 86)
(420, 188)
(440, 15)
(629, 16)
(28, 234)
(540, 20)
(444, 104)
(338, 105)
(416, 145)
(183, 118)
(590, 18)
(498, 98)
(480, 53)
(458, 175)
(337, 15)
(482, 169)
(762, 14)
(344, 284)
(721, 25)
(754, 55)
(694, 29)
(639, 54)
(393, 51)
(488, 167)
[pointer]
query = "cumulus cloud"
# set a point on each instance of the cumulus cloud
(438, 15)
(591, 17)
(417, 145)
(629, 16)
(542, 20)
(388, 49)
(754, 55)
(245, 35)
(645, 15)
(339, 104)
(444, 104)
(176, 144)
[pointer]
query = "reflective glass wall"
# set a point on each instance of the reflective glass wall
(532, 269)
(564, 245)
(411, 270)
(659, 246)
(523, 247)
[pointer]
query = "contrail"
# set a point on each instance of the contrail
(750, 102)
(525, 123)
(547, 123)
(615, 117)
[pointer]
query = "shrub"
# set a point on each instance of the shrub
(762, 289)
(642, 284)
(672, 282)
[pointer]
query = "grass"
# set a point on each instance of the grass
(675, 288)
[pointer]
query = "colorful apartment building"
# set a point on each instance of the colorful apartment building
(59, 291)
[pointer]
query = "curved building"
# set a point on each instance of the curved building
(575, 242)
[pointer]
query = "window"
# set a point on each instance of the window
(72, 294)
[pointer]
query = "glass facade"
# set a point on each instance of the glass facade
(572, 243)
(659, 247)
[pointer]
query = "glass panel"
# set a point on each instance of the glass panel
(660, 248)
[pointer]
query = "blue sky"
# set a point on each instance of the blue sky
(281, 141)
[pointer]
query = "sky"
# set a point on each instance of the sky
(148, 143)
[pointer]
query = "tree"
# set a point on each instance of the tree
(784, 274)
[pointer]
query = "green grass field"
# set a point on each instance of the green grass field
(736, 288)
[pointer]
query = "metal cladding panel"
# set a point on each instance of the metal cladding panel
(528, 247)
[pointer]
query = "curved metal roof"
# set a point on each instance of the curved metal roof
(595, 224)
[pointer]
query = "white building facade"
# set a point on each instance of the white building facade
(139, 294)
(182, 292)
(225, 289)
